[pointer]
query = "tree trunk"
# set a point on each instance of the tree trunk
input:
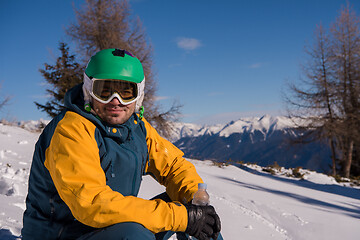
(333, 156)
(347, 165)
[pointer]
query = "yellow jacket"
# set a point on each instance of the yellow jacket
(74, 163)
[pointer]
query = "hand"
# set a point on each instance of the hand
(203, 222)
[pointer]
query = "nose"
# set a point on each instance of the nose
(115, 101)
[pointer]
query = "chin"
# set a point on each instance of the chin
(116, 120)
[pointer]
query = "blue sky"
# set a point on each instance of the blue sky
(221, 59)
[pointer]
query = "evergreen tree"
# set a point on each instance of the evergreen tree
(62, 76)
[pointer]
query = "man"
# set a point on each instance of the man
(89, 161)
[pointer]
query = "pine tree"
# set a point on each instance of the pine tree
(62, 76)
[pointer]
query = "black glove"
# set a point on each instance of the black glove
(203, 222)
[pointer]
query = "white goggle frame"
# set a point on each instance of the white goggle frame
(138, 85)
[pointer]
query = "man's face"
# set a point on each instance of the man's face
(114, 112)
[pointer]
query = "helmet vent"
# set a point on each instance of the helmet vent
(119, 53)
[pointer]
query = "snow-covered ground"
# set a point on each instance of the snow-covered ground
(252, 204)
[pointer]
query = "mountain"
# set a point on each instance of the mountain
(264, 141)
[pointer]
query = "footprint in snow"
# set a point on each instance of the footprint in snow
(295, 217)
(5, 189)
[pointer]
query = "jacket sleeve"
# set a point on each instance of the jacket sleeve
(167, 165)
(74, 165)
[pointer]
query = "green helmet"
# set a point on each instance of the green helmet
(115, 64)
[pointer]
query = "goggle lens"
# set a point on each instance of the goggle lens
(104, 89)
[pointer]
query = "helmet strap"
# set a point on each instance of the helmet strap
(87, 107)
(141, 112)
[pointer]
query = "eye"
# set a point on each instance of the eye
(106, 93)
(127, 93)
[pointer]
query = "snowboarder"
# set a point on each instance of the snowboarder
(89, 161)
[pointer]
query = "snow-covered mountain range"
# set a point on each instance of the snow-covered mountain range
(265, 124)
(263, 140)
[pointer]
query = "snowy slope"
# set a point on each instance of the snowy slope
(252, 204)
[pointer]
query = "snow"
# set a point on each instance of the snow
(252, 204)
(262, 124)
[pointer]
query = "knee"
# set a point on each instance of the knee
(136, 231)
(128, 231)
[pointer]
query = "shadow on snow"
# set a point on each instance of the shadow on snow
(329, 188)
(353, 210)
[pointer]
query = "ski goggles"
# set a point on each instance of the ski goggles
(104, 90)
